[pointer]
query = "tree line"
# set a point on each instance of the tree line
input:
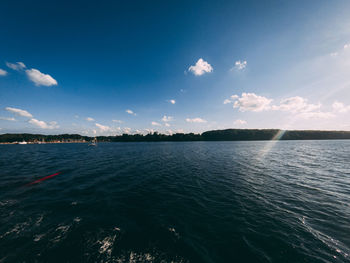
(215, 135)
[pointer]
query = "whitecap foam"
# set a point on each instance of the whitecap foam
(106, 245)
(173, 230)
(62, 230)
(38, 237)
(39, 220)
(77, 219)
(18, 228)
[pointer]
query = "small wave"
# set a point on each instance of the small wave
(38, 237)
(16, 230)
(335, 245)
(77, 219)
(8, 202)
(106, 245)
(133, 257)
(173, 231)
(39, 220)
(62, 231)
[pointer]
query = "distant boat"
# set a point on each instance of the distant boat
(93, 143)
(24, 142)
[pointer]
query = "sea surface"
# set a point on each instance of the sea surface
(284, 201)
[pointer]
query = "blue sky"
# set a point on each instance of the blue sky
(110, 67)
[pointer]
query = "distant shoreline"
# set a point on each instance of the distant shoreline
(214, 135)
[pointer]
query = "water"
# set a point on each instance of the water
(285, 201)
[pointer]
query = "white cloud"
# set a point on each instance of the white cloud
(200, 68)
(233, 98)
(196, 120)
(172, 101)
(296, 104)
(346, 46)
(16, 66)
(19, 112)
(3, 72)
(239, 122)
(151, 131)
(126, 130)
(167, 118)
(251, 102)
(169, 132)
(340, 107)
(89, 119)
(102, 128)
(315, 115)
(167, 125)
(117, 121)
(155, 123)
(240, 65)
(334, 54)
(7, 118)
(130, 112)
(40, 79)
(44, 125)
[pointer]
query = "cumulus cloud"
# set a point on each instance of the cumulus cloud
(240, 65)
(239, 122)
(340, 107)
(346, 46)
(171, 101)
(200, 68)
(167, 118)
(7, 118)
(130, 112)
(43, 124)
(89, 119)
(196, 120)
(19, 112)
(251, 102)
(296, 104)
(167, 125)
(16, 66)
(155, 123)
(299, 106)
(102, 128)
(3, 72)
(126, 130)
(227, 101)
(169, 132)
(40, 79)
(150, 131)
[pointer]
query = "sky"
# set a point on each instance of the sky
(113, 67)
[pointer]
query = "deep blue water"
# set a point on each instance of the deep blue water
(286, 201)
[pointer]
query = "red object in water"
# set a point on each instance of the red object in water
(44, 178)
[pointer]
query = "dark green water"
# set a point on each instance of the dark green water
(283, 201)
